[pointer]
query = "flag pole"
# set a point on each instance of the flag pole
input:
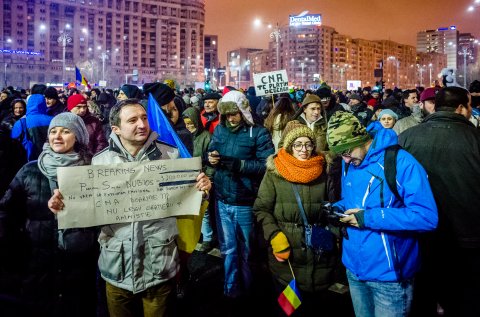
(290, 266)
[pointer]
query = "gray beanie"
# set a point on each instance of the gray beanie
(73, 123)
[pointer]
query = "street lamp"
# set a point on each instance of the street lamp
(103, 56)
(421, 69)
(187, 70)
(5, 75)
(63, 40)
(397, 64)
(430, 69)
(302, 65)
(276, 35)
(465, 52)
(472, 7)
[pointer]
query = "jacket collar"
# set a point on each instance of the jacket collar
(447, 116)
(149, 149)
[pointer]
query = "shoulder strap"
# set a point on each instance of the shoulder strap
(300, 206)
(391, 153)
(23, 122)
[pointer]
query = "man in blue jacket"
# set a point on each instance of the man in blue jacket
(381, 254)
(238, 151)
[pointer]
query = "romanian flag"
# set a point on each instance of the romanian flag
(160, 124)
(81, 79)
(289, 299)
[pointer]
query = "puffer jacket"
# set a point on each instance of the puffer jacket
(96, 136)
(407, 122)
(386, 249)
(138, 255)
(37, 122)
(60, 280)
(251, 144)
(276, 209)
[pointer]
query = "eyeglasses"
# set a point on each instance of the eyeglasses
(325, 99)
(347, 153)
(300, 146)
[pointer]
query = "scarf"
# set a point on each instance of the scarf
(296, 171)
(48, 161)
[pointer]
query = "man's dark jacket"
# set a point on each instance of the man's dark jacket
(448, 147)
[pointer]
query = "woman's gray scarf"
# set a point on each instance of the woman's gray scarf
(48, 161)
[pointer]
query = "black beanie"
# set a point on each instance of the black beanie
(130, 90)
(323, 92)
(38, 89)
(51, 93)
(212, 95)
(161, 92)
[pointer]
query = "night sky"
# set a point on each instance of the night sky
(398, 20)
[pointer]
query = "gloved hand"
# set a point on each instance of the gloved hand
(232, 164)
(280, 246)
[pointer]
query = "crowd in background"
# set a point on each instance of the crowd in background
(271, 160)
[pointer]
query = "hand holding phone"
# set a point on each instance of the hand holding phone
(340, 214)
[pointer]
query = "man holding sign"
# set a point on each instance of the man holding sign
(138, 260)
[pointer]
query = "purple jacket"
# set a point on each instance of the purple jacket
(96, 140)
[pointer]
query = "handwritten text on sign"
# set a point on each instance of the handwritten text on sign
(271, 83)
(118, 193)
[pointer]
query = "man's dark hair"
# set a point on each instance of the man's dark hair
(115, 112)
(449, 98)
(406, 93)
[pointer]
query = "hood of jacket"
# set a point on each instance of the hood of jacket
(382, 138)
(193, 114)
(36, 104)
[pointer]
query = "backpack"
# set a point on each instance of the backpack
(391, 153)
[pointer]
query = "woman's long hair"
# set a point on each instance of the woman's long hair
(84, 153)
(283, 107)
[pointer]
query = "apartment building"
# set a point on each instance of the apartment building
(106, 39)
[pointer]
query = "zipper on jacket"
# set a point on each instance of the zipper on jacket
(386, 250)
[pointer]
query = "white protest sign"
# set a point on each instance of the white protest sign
(271, 83)
(105, 194)
(354, 84)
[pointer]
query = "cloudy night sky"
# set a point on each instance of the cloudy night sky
(398, 20)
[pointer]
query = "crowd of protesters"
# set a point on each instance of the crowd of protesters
(272, 165)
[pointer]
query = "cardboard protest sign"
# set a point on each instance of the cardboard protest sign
(271, 83)
(105, 194)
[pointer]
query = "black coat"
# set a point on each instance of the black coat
(448, 147)
(50, 281)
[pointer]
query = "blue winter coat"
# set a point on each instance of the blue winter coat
(387, 248)
(37, 122)
(252, 145)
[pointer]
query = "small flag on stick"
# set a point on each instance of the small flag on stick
(81, 79)
(289, 299)
(160, 124)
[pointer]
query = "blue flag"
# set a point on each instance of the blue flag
(160, 124)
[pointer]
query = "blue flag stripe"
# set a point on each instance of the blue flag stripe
(159, 123)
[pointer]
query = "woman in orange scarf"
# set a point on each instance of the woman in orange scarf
(277, 210)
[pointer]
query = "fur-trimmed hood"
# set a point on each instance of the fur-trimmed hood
(233, 102)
